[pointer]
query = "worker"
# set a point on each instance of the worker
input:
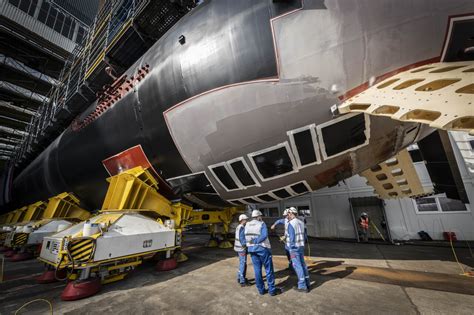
(364, 226)
(284, 221)
(258, 244)
(295, 242)
(241, 249)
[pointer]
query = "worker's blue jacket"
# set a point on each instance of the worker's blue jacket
(285, 222)
(280, 221)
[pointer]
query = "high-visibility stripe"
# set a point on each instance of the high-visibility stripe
(79, 244)
(19, 239)
(298, 227)
(238, 247)
(83, 255)
(82, 249)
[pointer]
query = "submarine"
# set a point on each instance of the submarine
(237, 103)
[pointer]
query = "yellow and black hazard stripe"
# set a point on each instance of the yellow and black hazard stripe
(81, 250)
(3, 236)
(19, 239)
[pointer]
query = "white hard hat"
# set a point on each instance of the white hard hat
(285, 212)
(363, 214)
(256, 213)
(293, 210)
(243, 217)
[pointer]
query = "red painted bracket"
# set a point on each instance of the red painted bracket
(110, 95)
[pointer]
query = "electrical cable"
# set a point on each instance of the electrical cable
(56, 271)
(3, 267)
(309, 247)
(464, 273)
(30, 302)
(71, 259)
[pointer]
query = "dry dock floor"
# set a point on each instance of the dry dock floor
(347, 278)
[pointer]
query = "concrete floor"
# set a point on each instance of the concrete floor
(346, 278)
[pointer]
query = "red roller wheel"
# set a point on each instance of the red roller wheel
(9, 253)
(76, 290)
(167, 264)
(49, 276)
(21, 256)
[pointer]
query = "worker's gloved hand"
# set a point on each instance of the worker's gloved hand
(272, 227)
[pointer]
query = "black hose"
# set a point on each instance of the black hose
(56, 271)
(94, 245)
(71, 259)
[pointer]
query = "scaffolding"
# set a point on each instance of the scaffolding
(122, 32)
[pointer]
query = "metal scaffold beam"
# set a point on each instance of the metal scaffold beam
(121, 32)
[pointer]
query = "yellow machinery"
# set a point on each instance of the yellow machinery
(4, 218)
(65, 205)
(41, 219)
(18, 215)
(219, 223)
(21, 225)
(34, 212)
(136, 222)
(10, 219)
(5, 227)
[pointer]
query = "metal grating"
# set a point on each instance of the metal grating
(439, 94)
(395, 178)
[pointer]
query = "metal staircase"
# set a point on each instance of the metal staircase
(122, 32)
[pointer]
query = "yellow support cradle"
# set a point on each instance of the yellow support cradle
(65, 205)
(137, 190)
(38, 214)
(18, 215)
(35, 211)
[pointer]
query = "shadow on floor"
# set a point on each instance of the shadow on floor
(354, 250)
(318, 275)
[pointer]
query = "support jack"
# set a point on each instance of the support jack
(80, 289)
(21, 256)
(51, 275)
(167, 264)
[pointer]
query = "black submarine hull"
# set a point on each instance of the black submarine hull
(234, 81)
